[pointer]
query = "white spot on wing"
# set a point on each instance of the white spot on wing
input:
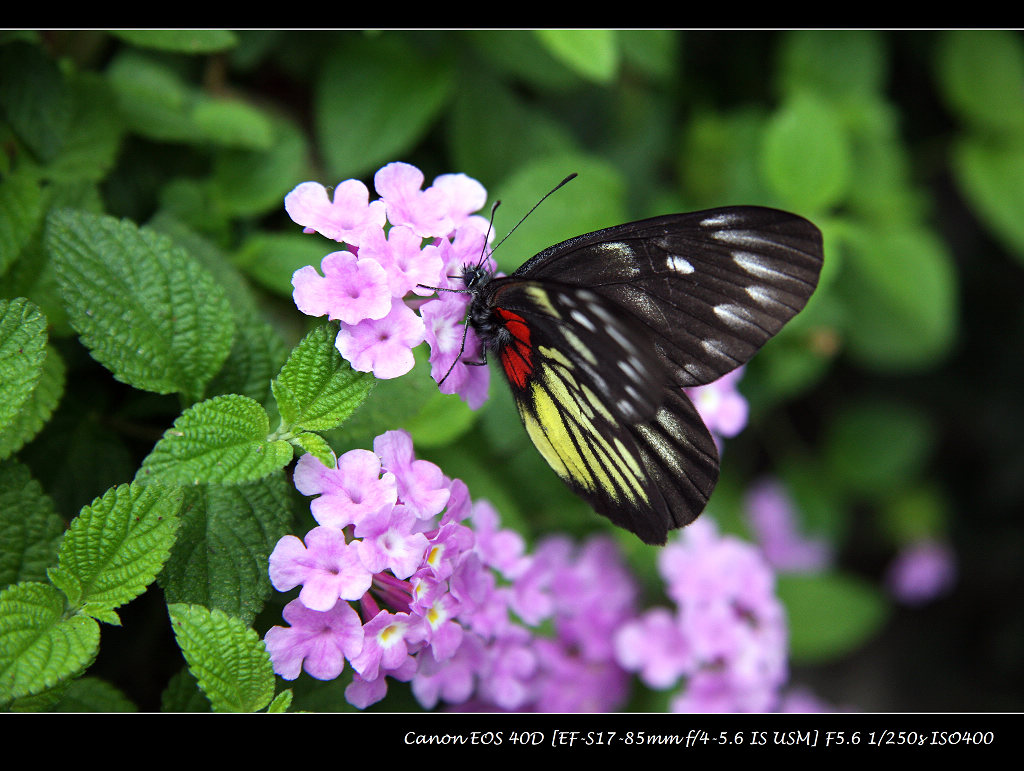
(583, 320)
(761, 295)
(733, 315)
(756, 266)
(720, 220)
(679, 264)
(615, 247)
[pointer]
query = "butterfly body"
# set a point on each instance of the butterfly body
(598, 335)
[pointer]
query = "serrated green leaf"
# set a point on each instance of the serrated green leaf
(100, 612)
(145, 309)
(37, 409)
(258, 349)
(829, 615)
(281, 702)
(317, 389)
(183, 41)
(226, 537)
(39, 647)
(317, 446)
(22, 351)
(30, 530)
(116, 547)
(226, 657)
(68, 583)
(220, 440)
(399, 94)
(806, 154)
(592, 53)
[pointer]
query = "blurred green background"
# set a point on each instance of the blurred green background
(891, 408)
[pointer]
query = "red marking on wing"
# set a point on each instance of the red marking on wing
(517, 355)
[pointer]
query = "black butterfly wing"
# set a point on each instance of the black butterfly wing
(711, 287)
(597, 403)
(598, 335)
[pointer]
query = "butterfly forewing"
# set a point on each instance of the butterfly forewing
(599, 334)
(712, 287)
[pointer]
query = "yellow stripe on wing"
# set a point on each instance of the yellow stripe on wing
(561, 423)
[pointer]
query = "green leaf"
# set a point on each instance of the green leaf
(22, 351)
(272, 258)
(39, 646)
(34, 98)
(830, 615)
(841, 64)
(227, 534)
(182, 694)
(981, 75)
(254, 180)
(899, 288)
(184, 41)
(317, 389)
(90, 151)
(233, 123)
(991, 176)
(592, 53)
(145, 309)
(152, 98)
(220, 440)
(258, 349)
(157, 103)
(281, 702)
(870, 448)
(21, 212)
(116, 547)
(493, 130)
(226, 657)
(375, 100)
(30, 530)
(91, 694)
(37, 409)
(806, 154)
(596, 198)
(918, 513)
(317, 446)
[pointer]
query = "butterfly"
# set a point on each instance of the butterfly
(599, 335)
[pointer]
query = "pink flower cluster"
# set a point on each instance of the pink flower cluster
(726, 638)
(405, 578)
(396, 250)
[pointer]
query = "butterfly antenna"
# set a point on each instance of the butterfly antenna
(487, 236)
(552, 190)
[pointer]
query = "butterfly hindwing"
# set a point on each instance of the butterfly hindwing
(596, 402)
